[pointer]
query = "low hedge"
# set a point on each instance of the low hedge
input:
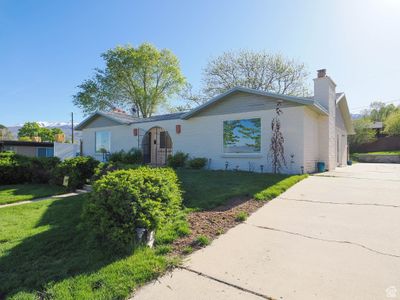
(133, 156)
(104, 168)
(17, 169)
(78, 169)
(124, 200)
(197, 163)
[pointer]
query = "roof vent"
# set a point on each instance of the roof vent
(321, 73)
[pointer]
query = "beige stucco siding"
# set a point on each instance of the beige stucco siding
(242, 102)
(25, 150)
(100, 122)
(311, 140)
(341, 138)
(202, 136)
(121, 139)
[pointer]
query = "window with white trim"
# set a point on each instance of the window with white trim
(103, 141)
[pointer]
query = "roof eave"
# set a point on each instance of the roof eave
(299, 100)
(83, 124)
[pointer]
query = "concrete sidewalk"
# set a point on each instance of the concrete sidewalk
(334, 236)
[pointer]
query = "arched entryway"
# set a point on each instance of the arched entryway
(156, 146)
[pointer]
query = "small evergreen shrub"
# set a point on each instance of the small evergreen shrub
(133, 156)
(125, 200)
(105, 167)
(241, 216)
(178, 160)
(197, 163)
(42, 168)
(78, 169)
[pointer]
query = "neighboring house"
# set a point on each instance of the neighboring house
(41, 149)
(378, 127)
(233, 130)
(32, 149)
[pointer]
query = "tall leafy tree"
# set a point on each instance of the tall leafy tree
(379, 111)
(392, 124)
(257, 70)
(5, 133)
(29, 129)
(363, 133)
(33, 129)
(252, 69)
(141, 78)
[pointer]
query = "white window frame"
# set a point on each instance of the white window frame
(47, 149)
(95, 141)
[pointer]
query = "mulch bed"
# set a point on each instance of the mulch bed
(215, 222)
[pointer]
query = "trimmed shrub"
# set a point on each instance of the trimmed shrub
(125, 200)
(105, 167)
(16, 169)
(178, 160)
(133, 156)
(78, 169)
(197, 163)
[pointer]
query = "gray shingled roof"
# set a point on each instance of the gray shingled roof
(126, 119)
(160, 118)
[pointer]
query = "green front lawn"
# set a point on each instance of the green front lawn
(45, 254)
(21, 192)
(382, 153)
(208, 189)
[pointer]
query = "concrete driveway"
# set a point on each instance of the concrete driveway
(332, 236)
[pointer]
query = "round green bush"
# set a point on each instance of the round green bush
(124, 200)
(78, 169)
(178, 160)
(197, 163)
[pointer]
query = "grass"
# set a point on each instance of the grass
(241, 216)
(380, 153)
(44, 251)
(275, 190)
(187, 250)
(202, 241)
(21, 192)
(209, 189)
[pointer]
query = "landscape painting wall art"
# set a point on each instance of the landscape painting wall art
(242, 136)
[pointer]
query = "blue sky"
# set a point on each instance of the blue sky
(49, 47)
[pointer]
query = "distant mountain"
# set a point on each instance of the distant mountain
(356, 116)
(64, 126)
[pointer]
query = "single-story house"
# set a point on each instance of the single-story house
(233, 130)
(27, 148)
(40, 149)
